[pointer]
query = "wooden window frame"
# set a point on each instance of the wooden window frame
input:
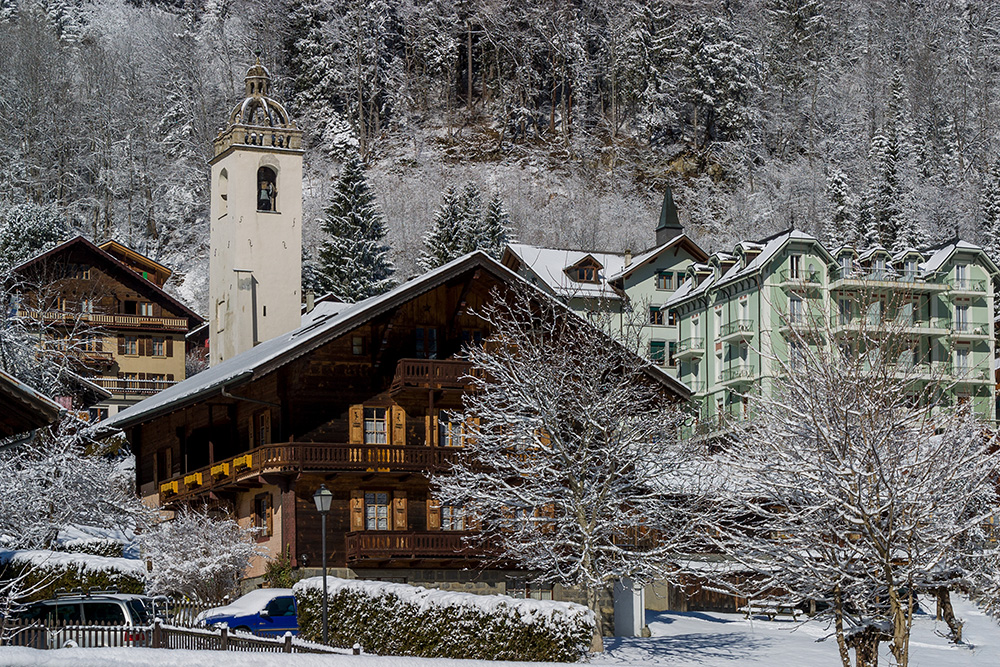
(655, 316)
(263, 515)
(374, 420)
(371, 500)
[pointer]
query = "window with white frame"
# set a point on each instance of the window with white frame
(795, 311)
(795, 266)
(453, 517)
(376, 510)
(375, 426)
(962, 317)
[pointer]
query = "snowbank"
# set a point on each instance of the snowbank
(434, 623)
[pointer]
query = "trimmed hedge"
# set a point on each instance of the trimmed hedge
(55, 570)
(397, 619)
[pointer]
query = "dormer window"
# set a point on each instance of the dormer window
(585, 271)
(878, 267)
(909, 269)
(846, 265)
(586, 274)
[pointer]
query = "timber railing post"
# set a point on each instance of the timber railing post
(224, 638)
(287, 648)
(157, 634)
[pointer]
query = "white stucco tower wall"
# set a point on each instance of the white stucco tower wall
(255, 268)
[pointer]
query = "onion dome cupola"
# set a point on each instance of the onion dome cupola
(259, 120)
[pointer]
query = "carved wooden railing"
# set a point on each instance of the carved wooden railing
(293, 457)
(108, 320)
(389, 544)
(431, 374)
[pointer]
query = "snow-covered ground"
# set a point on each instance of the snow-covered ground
(702, 639)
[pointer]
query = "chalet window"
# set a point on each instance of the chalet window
(909, 269)
(672, 318)
(878, 268)
(266, 192)
(672, 354)
(658, 351)
(128, 345)
(655, 316)
(263, 514)
(357, 345)
(450, 433)
(426, 343)
(664, 280)
(376, 510)
(472, 338)
(522, 589)
(846, 266)
(586, 274)
(260, 429)
(375, 426)
(145, 308)
(92, 343)
(159, 347)
(129, 308)
(453, 517)
(86, 305)
(98, 414)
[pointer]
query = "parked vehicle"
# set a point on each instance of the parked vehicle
(267, 611)
(125, 617)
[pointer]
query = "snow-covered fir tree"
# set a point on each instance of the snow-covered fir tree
(471, 217)
(495, 228)
(354, 259)
(27, 229)
(446, 238)
(841, 226)
(989, 209)
(886, 214)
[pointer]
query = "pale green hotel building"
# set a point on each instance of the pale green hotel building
(736, 311)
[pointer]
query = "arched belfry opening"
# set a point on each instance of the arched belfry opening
(267, 192)
(223, 192)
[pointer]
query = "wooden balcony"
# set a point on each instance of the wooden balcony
(107, 321)
(291, 458)
(128, 387)
(390, 545)
(425, 374)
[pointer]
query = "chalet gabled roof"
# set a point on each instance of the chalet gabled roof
(114, 247)
(121, 272)
(650, 255)
(335, 320)
(937, 257)
(23, 408)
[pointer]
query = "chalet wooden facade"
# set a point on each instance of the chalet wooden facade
(106, 308)
(358, 399)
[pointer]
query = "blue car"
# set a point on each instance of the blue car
(267, 611)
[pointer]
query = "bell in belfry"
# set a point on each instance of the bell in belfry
(264, 199)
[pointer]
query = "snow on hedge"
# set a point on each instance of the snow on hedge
(81, 562)
(443, 624)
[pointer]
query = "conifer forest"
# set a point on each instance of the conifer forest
(858, 121)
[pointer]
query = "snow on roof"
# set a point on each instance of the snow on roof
(938, 256)
(867, 254)
(550, 265)
(768, 249)
(25, 408)
(640, 259)
(251, 603)
(324, 323)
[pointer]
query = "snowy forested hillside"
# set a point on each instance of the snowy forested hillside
(879, 116)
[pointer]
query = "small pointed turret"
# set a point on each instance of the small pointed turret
(669, 226)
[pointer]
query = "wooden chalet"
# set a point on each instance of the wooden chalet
(22, 408)
(107, 308)
(357, 399)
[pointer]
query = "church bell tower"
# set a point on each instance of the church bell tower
(255, 274)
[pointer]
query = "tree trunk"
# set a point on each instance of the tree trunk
(594, 603)
(838, 620)
(947, 613)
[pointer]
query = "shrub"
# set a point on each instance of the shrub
(95, 546)
(397, 619)
(52, 570)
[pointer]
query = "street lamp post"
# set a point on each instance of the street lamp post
(323, 498)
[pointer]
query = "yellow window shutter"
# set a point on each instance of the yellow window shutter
(433, 514)
(356, 418)
(357, 510)
(398, 425)
(435, 431)
(399, 510)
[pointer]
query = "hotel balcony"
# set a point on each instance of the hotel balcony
(738, 375)
(690, 348)
(801, 279)
(292, 458)
(738, 330)
(966, 287)
(884, 279)
(971, 332)
(378, 547)
(971, 374)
